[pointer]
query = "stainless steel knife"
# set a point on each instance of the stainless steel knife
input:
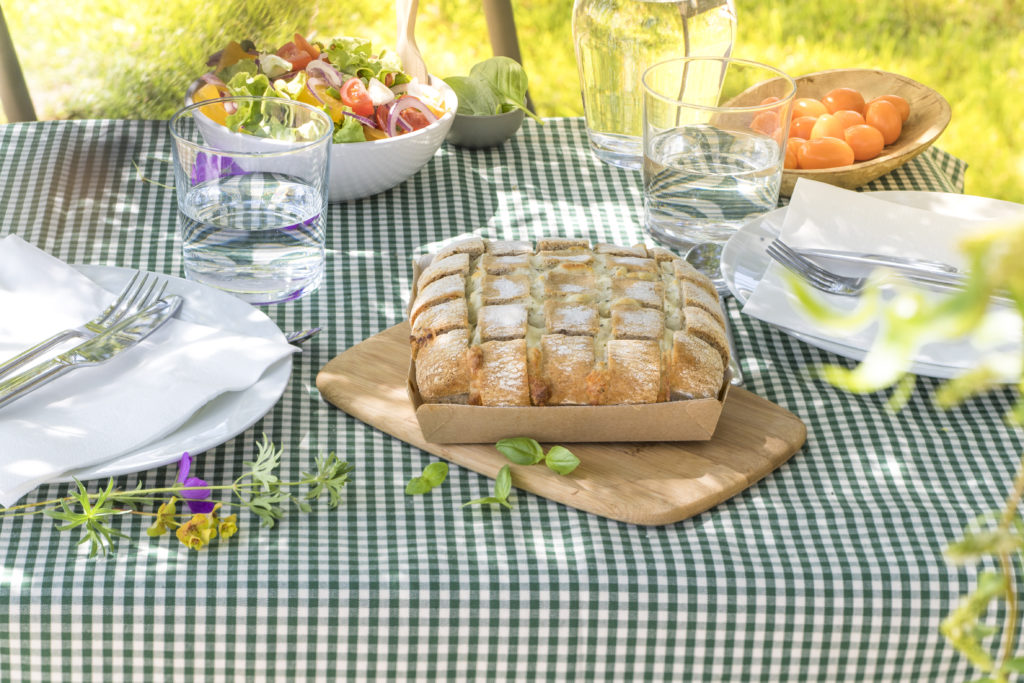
(121, 337)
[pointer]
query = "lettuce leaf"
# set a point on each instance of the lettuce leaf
(348, 130)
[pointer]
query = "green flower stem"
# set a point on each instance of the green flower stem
(1009, 514)
(236, 487)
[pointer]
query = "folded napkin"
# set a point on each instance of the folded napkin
(827, 217)
(95, 414)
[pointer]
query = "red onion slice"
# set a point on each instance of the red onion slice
(318, 68)
(369, 123)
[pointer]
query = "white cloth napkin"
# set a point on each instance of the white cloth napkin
(828, 217)
(96, 414)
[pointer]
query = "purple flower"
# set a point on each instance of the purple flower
(195, 497)
(211, 166)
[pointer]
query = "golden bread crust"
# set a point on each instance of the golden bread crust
(499, 322)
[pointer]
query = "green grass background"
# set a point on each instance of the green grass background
(134, 59)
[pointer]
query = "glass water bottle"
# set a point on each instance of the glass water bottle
(617, 39)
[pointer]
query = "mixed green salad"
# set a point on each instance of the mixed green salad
(365, 92)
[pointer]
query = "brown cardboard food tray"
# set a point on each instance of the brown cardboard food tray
(693, 420)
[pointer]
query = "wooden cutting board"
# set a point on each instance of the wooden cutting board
(640, 483)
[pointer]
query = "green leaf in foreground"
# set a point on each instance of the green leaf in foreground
(521, 450)
(561, 460)
(502, 487)
(433, 475)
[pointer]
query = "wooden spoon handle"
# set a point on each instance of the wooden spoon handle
(408, 52)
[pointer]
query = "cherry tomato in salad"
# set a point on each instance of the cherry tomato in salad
(306, 46)
(381, 116)
(295, 55)
(414, 118)
(354, 95)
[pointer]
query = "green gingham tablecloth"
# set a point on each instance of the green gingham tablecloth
(829, 569)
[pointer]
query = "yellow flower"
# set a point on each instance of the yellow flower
(228, 527)
(164, 519)
(198, 531)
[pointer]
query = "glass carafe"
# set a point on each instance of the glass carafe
(617, 39)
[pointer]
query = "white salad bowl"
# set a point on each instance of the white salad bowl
(358, 169)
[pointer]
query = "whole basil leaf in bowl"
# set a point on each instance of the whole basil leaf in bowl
(492, 103)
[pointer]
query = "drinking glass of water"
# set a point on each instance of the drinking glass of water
(251, 179)
(714, 143)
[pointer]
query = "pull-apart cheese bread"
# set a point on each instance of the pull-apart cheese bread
(502, 323)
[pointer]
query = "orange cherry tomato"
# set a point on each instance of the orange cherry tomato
(824, 153)
(865, 141)
(902, 106)
(827, 126)
(306, 46)
(808, 106)
(884, 116)
(848, 118)
(766, 122)
(843, 98)
(771, 99)
(793, 146)
(801, 127)
(295, 55)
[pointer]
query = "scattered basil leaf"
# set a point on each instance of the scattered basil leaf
(488, 500)
(521, 450)
(503, 483)
(502, 487)
(433, 475)
(561, 460)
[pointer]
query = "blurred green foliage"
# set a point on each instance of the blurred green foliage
(121, 59)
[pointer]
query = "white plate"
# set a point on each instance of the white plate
(222, 418)
(744, 260)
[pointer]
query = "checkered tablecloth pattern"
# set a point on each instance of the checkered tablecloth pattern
(830, 569)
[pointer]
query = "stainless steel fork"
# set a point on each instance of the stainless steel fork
(818, 277)
(845, 285)
(133, 297)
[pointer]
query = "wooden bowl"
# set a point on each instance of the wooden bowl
(929, 116)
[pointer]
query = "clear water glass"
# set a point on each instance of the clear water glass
(714, 143)
(252, 207)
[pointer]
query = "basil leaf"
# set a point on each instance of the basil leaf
(488, 500)
(507, 79)
(433, 475)
(521, 450)
(416, 486)
(503, 483)
(476, 98)
(561, 460)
